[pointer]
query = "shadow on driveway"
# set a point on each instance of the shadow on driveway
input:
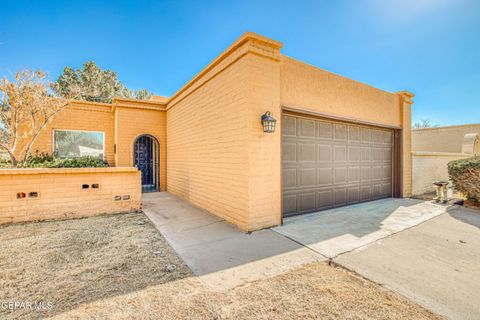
(336, 231)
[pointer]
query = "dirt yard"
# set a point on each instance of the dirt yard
(120, 267)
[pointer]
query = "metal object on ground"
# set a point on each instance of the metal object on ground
(442, 190)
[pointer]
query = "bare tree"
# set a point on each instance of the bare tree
(424, 123)
(26, 107)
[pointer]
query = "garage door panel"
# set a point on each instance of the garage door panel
(325, 176)
(340, 175)
(340, 132)
(387, 172)
(353, 194)
(386, 189)
(366, 135)
(290, 204)
(353, 134)
(354, 154)
(325, 130)
(366, 193)
(340, 153)
(329, 164)
(289, 152)
(307, 128)
(289, 126)
(366, 174)
(376, 190)
(340, 197)
(377, 172)
(325, 153)
(366, 154)
(354, 174)
(306, 152)
(324, 199)
(387, 154)
(289, 178)
(307, 202)
(307, 177)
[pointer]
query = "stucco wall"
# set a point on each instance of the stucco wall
(60, 193)
(429, 167)
(218, 155)
(264, 149)
(80, 116)
(308, 87)
(311, 89)
(122, 122)
(130, 123)
(207, 159)
(442, 139)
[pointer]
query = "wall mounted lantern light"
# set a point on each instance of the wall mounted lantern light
(268, 122)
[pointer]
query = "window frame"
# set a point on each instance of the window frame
(54, 130)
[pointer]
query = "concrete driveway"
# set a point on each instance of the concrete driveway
(436, 264)
(426, 252)
(336, 231)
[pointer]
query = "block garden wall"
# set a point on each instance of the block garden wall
(45, 194)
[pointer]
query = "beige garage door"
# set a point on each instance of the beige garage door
(329, 164)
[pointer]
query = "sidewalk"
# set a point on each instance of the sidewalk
(216, 251)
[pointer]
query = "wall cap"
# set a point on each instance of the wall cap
(448, 127)
(27, 171)
(433, 154)
(406, 95)
(249, 42)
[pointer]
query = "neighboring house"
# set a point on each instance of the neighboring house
(337, 141)
(434, 147)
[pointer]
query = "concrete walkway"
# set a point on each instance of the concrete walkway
(436, 264)
(216, 251)
(336, 231)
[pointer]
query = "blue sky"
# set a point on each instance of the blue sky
(429, 47)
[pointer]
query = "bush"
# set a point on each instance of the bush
(44, 160)
(5, 163)
(465, 175)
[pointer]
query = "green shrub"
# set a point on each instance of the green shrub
(465, 175)
(5, 163)
(44, 160)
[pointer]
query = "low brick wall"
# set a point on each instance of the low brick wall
(44, 194)
(429, 167)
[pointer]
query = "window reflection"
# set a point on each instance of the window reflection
(73, 143)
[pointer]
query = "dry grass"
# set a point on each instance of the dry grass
(104, 267)
(76, 261)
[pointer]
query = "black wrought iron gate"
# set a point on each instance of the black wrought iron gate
(145, 155)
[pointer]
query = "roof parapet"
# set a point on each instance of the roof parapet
(249, 42)
(406, 95)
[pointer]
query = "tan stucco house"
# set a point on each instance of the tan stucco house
(336, 141)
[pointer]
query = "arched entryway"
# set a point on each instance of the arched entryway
(146, 157)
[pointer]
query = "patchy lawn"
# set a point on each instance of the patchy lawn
(120, 267)
(71, 262)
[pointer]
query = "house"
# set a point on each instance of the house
(433, 148)
(336, 141)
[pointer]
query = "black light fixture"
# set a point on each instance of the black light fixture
(268, 122)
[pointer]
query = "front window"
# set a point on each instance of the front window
(75, 143)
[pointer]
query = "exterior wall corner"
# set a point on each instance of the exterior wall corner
(405, 99)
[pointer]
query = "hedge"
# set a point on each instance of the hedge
(465, 175)
(44, 160)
